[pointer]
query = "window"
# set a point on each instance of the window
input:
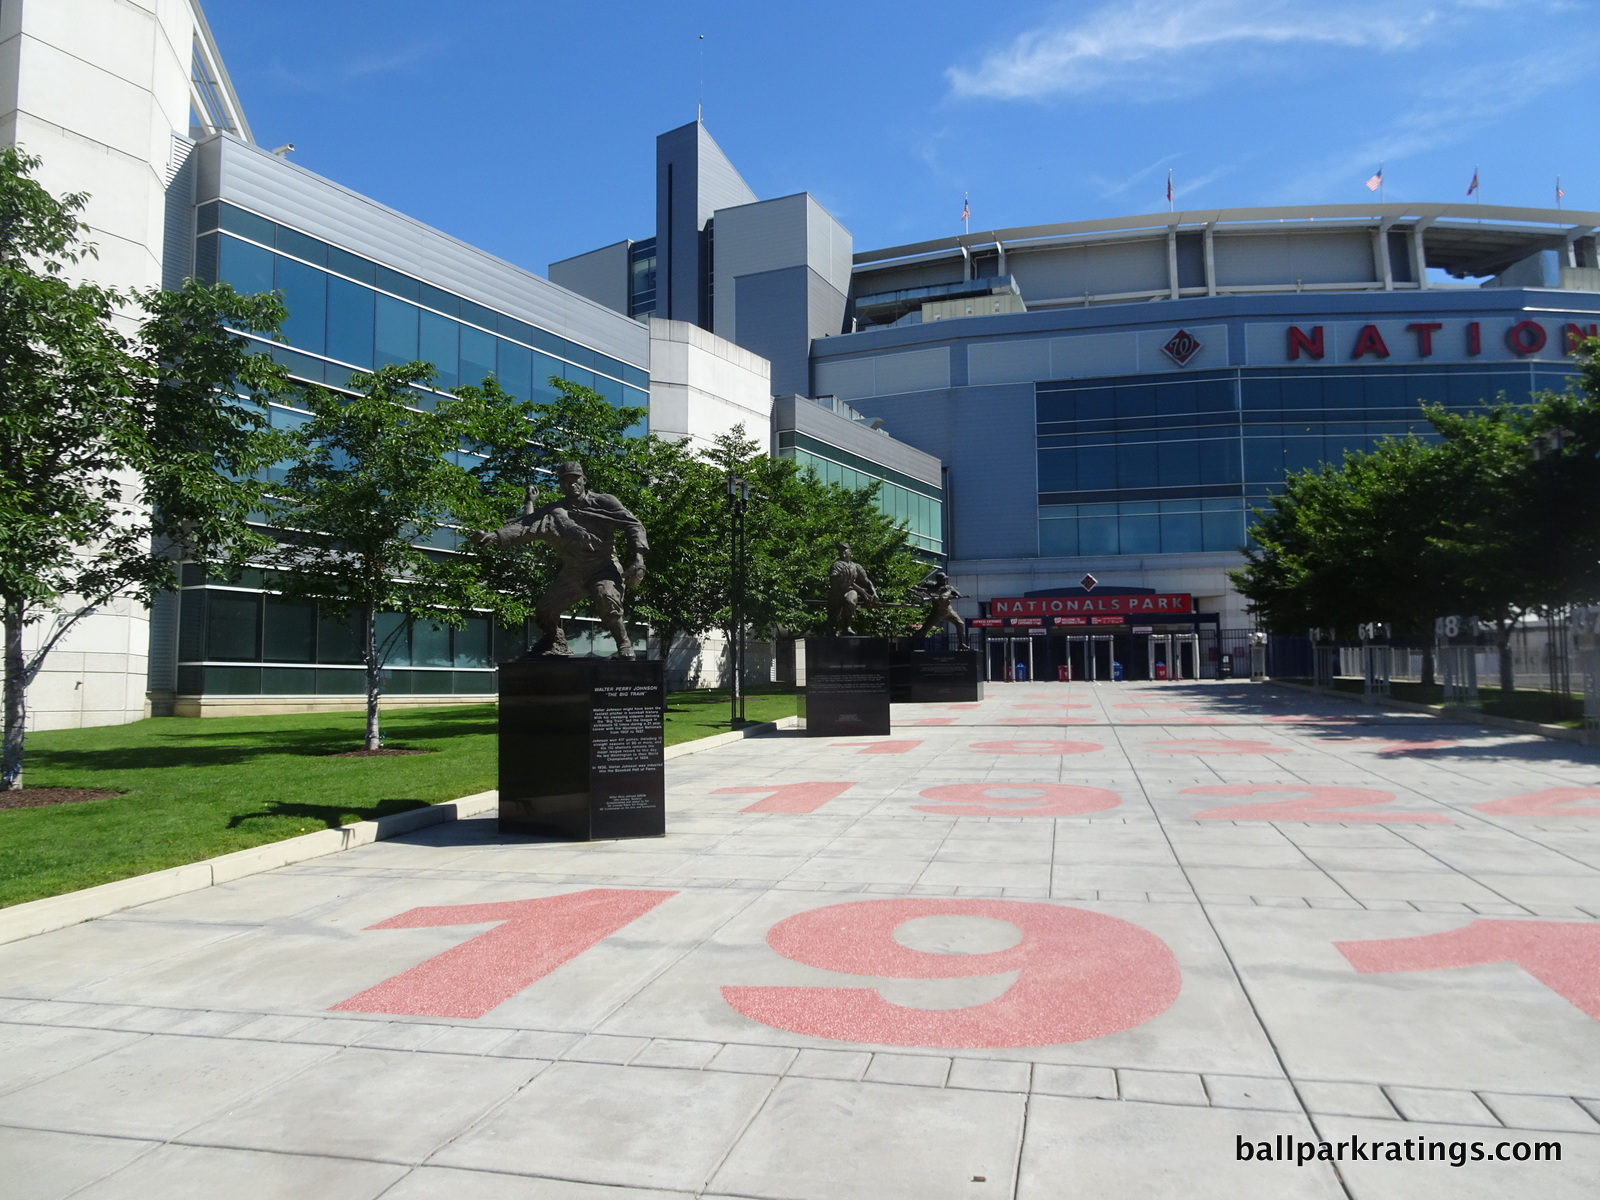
(248, 268)
(350, 322)
(396, 340)
(233, 626)
(305, 295)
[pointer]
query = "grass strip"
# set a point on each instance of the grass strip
(192, 788)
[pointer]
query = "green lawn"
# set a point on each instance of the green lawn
(194, 788)
(1546, 708)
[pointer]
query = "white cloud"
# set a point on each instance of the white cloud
(1159, 47)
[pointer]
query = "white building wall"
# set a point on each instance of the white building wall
(97, 89)
(702, 385)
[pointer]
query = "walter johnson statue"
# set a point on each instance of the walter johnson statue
(581, 527)
(849, 589)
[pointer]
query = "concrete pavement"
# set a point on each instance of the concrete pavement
(1077, 940)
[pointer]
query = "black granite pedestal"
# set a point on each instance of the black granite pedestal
(847, 687)
(580, 748)
(946, 677)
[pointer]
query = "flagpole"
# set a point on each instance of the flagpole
(966, 213)
(1169, 192)
(1381, 184)
(1559, 192)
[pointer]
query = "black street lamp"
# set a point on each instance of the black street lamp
(738, 505)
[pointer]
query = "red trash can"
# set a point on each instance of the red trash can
(1161, 670)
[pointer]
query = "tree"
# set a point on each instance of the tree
(114, 449)
(368, 488)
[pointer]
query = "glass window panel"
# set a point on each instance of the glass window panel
(1301, 453)
(1180, 533)
(1097, 535)
(302, 366)
(1141, 535)
(396, 339)
(578, 375)
(472, 643)
(479, 315)
(233, 622)
(1136, 466)
(471, 683)
(1097, 469)
(1258, 393)
(544, 367)
(430, 644)
(1263, 459)
(477, 355)
(305, 295)
(289, 631)
(392, 638)
(438, 298)
(514, 367)
(206, 218)
(1223, 530)
(288, 681)
(513, 328)
(205, 259)
(640, 378)
(1301, 393)
(1058, 470)
(350, 322)
(352, 265)
(1138, 509)
(1175, 398)
(336, 641)
(575, 353)
(340, 683)
(245, 224)
(611, 389)
(1058, 538)
(398, 683)
(292, 241)
(1136, 400)
(549, 343)
(607, 366)
(248, 268)
(400, 285)
(1219, 460)
(1177, 463)
(233, 681)
(439, 343)
(633, 397)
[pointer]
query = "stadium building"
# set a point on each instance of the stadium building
(1082, 414)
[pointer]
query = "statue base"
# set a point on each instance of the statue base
(946, 677)
(847, 687)
(581, 748)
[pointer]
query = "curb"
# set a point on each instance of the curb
(1452, 712)
(57, 912)
(723, 739)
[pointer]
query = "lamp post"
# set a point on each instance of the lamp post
(738, 505)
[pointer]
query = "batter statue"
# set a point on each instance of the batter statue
(580, 526)
(848, 589)
(937, 590)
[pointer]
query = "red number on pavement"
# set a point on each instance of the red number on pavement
(905, 747)
(1036, 747)
(1226, 746)
(1079, 975)
(1315, 803)
(1046, 721)
(790, 797)
(1562, 955)
(1552, 802)
(1049, 800)
(532, 938)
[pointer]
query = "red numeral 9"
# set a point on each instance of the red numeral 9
(1080, 975)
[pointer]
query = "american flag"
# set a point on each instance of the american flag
(1376, 181)
(1473, 186)
(1169, 187)
(966, 210)
(1559, 193)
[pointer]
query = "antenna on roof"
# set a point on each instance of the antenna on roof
(700, 107)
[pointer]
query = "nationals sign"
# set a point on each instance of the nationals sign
(1064, 606)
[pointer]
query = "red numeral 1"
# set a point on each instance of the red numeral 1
(790, 797)
(1079, 974)
(533, 938)
(1562, 955)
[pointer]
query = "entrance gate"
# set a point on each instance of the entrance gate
(1005, 654)
(1089, 656)
(1180, 652)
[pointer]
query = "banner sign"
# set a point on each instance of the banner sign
(1023, 606)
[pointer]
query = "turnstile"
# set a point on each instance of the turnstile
(1006, 654)
(1089, 656)
(1178, 652)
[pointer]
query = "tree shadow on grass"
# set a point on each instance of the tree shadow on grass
(330, 815)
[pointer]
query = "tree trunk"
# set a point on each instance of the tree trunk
(369, 656)
(16, 697)
(1508, 667)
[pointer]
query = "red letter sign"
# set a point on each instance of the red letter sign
(1298, 341)
(1080, 975)
(1525, 337)
(1425, 331)
(1369, 341)
(1562, 955)
(533, 938)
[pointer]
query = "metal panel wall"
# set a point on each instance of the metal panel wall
(255, 179)
(601, 275)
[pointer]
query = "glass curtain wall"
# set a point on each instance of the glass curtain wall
(1162, 464)
(910, 502)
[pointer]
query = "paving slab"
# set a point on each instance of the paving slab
(1022, 959)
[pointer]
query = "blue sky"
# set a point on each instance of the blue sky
(527, 127)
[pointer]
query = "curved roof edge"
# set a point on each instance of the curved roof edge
(1551, 219)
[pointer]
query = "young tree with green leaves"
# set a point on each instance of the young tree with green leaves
(117, 452)
(367, 501)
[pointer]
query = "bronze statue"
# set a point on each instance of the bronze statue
(848, 589)
(580, 526)
(937, 590)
